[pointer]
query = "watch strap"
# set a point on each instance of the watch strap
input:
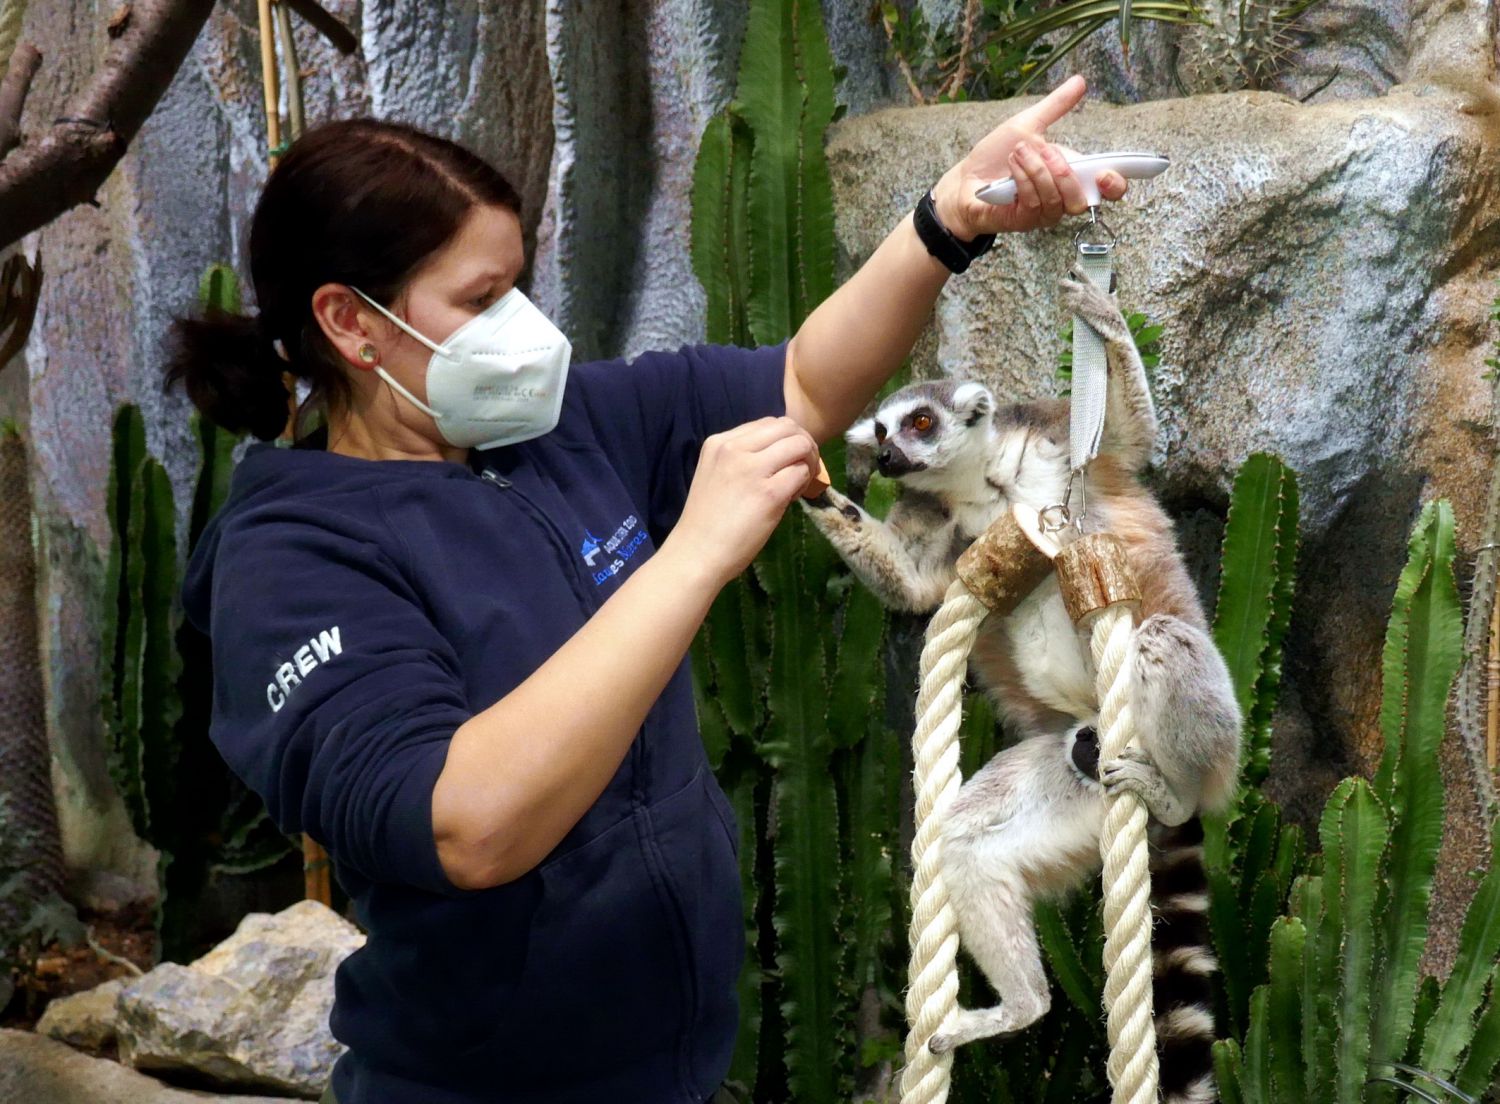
(955, 255)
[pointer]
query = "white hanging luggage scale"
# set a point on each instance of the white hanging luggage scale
(1132, 166)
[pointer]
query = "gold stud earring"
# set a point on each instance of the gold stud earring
(367, 353)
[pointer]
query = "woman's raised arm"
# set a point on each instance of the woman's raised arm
(856, 338)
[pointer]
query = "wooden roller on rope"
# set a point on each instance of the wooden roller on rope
(1003, 565)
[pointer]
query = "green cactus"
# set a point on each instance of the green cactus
(1253, 859)
(782, 667)
(156, 685)
(1345, 1009)
(141, 703)
(1258, 574)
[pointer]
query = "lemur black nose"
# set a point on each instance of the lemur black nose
(884, 455)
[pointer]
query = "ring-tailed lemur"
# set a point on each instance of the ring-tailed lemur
(1027, 824)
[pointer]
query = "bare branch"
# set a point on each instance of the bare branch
(68, 163)
(23, 66)
(326, 24)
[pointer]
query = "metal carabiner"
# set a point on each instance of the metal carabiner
(1061, 508)
(1093, 248)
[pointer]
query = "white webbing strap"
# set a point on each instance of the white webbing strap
(1090, 372)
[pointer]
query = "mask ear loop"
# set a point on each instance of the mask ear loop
(441, 350)
(380, 370)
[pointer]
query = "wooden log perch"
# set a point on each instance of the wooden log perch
(1094, 574)
(1004, 564)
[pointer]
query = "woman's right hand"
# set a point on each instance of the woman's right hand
(746, 478)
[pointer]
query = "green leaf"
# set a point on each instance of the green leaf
(1428, 996)
(856, 681)
(745, 1063)
(219, 289)
(769, 98)
(729, 668)
(711, 724)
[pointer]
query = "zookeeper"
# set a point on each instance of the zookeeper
(450, 627)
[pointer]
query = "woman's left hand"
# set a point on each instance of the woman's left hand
(1046, 188)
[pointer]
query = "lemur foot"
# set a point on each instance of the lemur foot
(983, 1023)
(1094, 305)
(1134, 772)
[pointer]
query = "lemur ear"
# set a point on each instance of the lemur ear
(861, 434)
(973, 401)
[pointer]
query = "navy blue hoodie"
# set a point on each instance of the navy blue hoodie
(359, 611)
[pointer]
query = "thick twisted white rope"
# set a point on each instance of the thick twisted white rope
(1127, 878)
(932, 995)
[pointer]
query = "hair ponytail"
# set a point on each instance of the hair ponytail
(360, 201)
(231, 371)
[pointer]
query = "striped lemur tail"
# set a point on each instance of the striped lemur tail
(1183, 964)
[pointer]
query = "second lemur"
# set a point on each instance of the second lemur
(1027, 824)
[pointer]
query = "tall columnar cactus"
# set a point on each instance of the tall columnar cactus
(1252, 858)
(25, 756)
(141, 662)
(1257, 578)
(156, 678)
(1345, 1007)
(784, 665)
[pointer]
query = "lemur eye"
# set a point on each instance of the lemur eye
(922, 423)
(879, 432)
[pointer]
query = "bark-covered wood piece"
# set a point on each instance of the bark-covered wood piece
(1002, 566)
(1094, 574)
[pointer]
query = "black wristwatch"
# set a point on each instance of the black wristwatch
(956, 255)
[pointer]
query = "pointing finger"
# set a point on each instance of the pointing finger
(1059, 102)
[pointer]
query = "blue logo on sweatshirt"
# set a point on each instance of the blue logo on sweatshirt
(590, 547)
(620, 546)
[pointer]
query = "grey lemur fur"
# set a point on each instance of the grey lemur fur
(1027, 823)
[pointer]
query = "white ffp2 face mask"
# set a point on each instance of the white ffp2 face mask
(497, 379)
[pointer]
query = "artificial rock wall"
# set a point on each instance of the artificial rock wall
(1323, 271)
(594, 109)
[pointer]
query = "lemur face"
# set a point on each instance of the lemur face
(925, 428)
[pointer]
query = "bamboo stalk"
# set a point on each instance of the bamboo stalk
(1493, 726)
(269, 79)
(293, 70)
(315, 880)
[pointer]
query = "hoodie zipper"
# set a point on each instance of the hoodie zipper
(504, 484)
(501, 483)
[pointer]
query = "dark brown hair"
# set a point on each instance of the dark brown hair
(356, 201)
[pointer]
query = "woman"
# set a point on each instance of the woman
(450, 627)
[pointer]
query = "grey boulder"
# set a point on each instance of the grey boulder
(252, 1012)
(37, 1070)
